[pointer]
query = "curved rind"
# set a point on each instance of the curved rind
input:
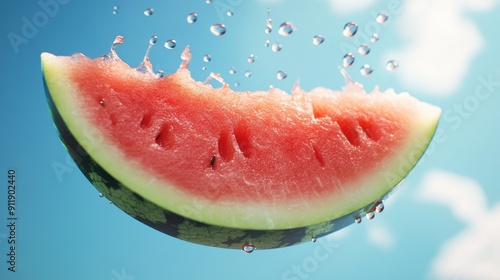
(183, 228)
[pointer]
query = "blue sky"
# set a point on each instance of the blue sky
(443, 223)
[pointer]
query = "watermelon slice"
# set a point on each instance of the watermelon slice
(231, 169)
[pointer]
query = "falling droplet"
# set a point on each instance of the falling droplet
(115, 9)
(366, 70)
(170, 44)
(276, 47)
(269, 22)
(236, 84)
(159, 73)
(318, 40)
(251, 59)
(110, 202)
(248, 74)
(357, 219)
(392, 65)
(379, 208)
(232, 71)
(281, 75)
(266, 43)
(348, 60)
(207, 57)
(364, 49)
(248, 248)
(350, 29)
(286, 28)
(229, 13)
(148, 12)
(218, 29)
(192, 18)
(374, 38)
(209, 1)
(101, 195)
(153, 40)
(370, 215)
(382, 18)
(313, 239)
(204, 68)
(112, 54)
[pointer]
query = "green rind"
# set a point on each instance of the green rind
(183, 228)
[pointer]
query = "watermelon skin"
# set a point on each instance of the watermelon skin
(181, 227)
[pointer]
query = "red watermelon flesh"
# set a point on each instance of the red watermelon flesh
(263, 160)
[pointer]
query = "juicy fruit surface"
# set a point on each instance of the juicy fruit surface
(261, 160)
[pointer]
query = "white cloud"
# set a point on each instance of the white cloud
(474, 253)
(380, 236)
(442, 42)
(343, 6)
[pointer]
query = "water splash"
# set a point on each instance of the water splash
(186, 58)
(145, 65)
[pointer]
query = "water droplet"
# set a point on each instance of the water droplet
(115, 9)
(313, 239)
(218, 29)
(268, 30)
(276, 47)
(159, 73)
(170, 44)
(348, 60)
(110, 202)
(232, 71)
(101, 195)
(350, 29)
(374, 38)
(379, 208)
(370, 215)
(266, 43)
(286, 28)
(229, 13)
(115, 12)
(364, 49)
(148, 12)
(236, 84)
(281, 75)
(248, 248)
(251, 59)
(204, 68)
(392, 65)
(366, 70)
(153, 40)
(207, 57)
(209, 1)
(248, 74)
(357, 219)
(192, 18)
(382, 18)
(318, 40)
(101, 102)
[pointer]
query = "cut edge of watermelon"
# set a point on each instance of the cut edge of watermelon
(167, 196)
